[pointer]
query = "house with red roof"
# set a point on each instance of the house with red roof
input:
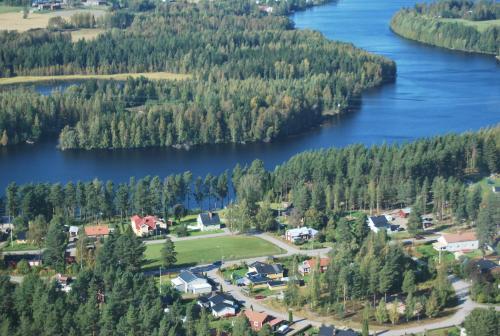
(457, 242)
(143, 226)
(258, 319)
(97, 231)
(308, 265)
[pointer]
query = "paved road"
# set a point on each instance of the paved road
(176, 239)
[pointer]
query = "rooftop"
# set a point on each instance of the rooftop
(379, 221)
(209, 218)
(97, 230)
(264, 268)
(459, 237)
(139, 221)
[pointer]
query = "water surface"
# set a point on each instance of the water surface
(437, 91)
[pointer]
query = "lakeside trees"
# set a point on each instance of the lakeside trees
(255, 78)
(425, 23)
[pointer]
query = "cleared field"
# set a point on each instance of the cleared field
(124, 76)
(479, 25)
(207, 250)
(86, 34)
(14, 20)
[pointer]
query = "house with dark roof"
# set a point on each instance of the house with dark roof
(495, 189)
(271, 271)
(256, 280)
(377, 223)
(220, 304)
(487, 266)
(21, 238)
(207, 221)
(332, 331)
(190, 282)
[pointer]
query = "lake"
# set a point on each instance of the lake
(437, 91)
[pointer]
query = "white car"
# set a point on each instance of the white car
(283, 329)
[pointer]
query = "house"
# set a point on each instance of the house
(308, 265)
(404, 213)
(272, 271)
(455, 242)
(144, 226)
(207, 221)
(332, 331)
(258, 319)
(377, 223)
(486, 266)
(73, 232)
(276, 285)
(495, 189)
(189, 282)
(21, 238)
(256, 280)
(97, 231)
(221, 304)
(300, 234)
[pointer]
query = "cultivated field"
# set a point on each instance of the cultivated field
(8, 9)
(15, 21)
(124, 76)
(479, 25)
(207, 250)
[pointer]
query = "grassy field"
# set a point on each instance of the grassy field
(124, 76)
(427, 251)
(479, 25)
(203, 251)
(13, 20)
(10, 9)
(19, 247)
(86, 34)
(451, 331)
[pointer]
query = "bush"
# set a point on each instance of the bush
(23, 267)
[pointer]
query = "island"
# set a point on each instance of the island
(459, 25)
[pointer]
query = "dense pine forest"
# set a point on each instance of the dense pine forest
(255, 78)
(444, 24)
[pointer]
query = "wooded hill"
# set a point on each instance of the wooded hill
(452, 24)
(255, 79)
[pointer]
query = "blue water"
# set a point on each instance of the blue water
(437, 91)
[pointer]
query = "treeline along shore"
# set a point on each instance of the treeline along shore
(459, 25)
(253, 78)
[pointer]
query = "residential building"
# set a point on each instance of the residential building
(97, 231)
(258, 319)
(495, 189)
(256, 280)
(276, 285)
(189, 282)
(73, 232)
(457, 242)
(332, 331)
(272, 271)
(404, 213)
(377, 223)
(300, 234)
(207, 221)
(306, 266)
(144, 226)
(220, 304)
(21, 238)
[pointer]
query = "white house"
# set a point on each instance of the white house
(455, 242)
(221, 304)
(189, 282)
(207, 221)
(377, 223)
(300, 234)
(143, 226)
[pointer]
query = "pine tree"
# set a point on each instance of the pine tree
(55, 244)
(409, 286)
(381, 314)
(394, 313)
(168, 254)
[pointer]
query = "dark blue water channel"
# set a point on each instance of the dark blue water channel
(437, 91)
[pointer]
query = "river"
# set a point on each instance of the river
(437, 91)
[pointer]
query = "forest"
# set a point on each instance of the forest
(111, 296)
(427, 23)
(255, 79)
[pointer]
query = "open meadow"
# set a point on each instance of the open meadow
(123, 76)
(479, 25)
(208, 250)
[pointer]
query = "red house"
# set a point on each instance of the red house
(308, 265)
(143, 226)
(258, 319)
(404, 213)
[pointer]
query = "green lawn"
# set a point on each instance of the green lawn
(427, 251)
(9, 9)
(479, 25)
(450, 331)
(19, 247)
(207, 250)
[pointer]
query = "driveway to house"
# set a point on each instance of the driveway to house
(176, 239)
(466, 305)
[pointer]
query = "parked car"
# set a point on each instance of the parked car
(283, 329)
(260, 297)
(419, 237)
